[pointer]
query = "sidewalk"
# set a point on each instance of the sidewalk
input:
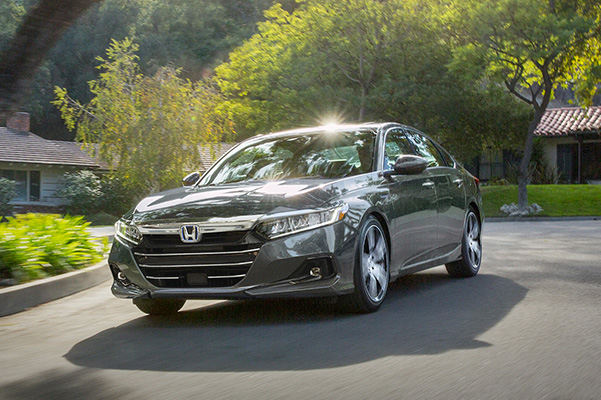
(102, 231)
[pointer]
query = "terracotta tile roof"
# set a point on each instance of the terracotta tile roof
(25, 147)
(210, 153)
(569, 120)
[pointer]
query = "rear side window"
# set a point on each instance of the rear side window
(427, 149)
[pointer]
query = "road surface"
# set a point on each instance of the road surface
(527, 327)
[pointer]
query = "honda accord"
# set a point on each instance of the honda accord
(335, 211)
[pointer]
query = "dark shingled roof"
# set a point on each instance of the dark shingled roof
(211, 153)
(569, 120)
(27, 148)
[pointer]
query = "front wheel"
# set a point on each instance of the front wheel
(371, 273)
(471, 249)
(159, 306)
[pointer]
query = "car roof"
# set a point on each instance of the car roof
(376, 126)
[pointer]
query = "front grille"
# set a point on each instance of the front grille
(218, 260)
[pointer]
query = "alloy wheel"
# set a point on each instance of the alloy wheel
(474, 243)
(374, 264)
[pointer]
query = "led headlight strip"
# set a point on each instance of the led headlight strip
(285, 225)
(128, 232)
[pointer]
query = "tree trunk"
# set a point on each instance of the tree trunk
(525, 162)
(364, 93)
(38, 33)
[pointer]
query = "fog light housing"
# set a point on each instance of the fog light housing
(316, 272)
(119, 276)
(314, 268)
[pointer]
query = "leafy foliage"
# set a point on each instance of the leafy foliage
(7, 193)
(192, 34)
(361, 60)
(147, 128)
(34, 246)
(530, 47)
(82, 190)
(11, 14)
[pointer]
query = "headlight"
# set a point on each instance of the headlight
(128, 232)
(284, 225)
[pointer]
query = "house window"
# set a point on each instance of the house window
(34, 185)
(28, 184)
(567, 162)
(591, 161)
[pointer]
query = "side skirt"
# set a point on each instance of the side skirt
(451, 256)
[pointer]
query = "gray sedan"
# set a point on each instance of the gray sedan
(320, 212)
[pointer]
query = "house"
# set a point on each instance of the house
(571, 138)
(211, 153)
(572, 141)
(37, 164)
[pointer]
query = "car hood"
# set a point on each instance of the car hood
(248, 199)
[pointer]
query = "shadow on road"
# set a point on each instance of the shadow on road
(426, 313)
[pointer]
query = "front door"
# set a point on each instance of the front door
(413, 209)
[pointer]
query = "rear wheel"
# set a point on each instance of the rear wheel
(159, 306)
(371, 274)
(471, 249)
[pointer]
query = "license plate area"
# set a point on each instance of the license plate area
(197, 279)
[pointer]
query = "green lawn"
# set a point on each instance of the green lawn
(556, 200)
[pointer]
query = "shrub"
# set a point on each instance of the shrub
(101, 218)
(82, 190)
(34, 246)
(7, 193)
(117, 198)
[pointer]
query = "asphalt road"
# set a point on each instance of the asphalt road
(527, 327)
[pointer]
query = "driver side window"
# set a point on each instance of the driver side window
(396, 145)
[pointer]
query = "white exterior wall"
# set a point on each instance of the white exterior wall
(50, 177)
(550, 145)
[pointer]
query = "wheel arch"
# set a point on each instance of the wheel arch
(381, 218)
(473, 205)
(384, 223)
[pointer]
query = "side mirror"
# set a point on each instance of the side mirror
(408, 165)
(191, 179)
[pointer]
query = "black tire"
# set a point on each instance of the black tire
(471, 249)
(159, 306)
(371, 273)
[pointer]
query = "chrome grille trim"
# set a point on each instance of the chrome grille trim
(215, 224)
(162, 277)
(226, 276)
(196, 265)
(207, 253)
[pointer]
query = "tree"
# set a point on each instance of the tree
(82, 190)
(41, 29)
(361, 60)
(530, 47)
(147, 128)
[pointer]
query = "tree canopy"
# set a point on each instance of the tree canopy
(530, 47)
(358, 60)
(147, 127)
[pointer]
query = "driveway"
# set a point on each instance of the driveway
(527, 327)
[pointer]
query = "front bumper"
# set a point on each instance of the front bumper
(273, 274)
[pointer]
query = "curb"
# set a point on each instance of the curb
(18, 298)
(535, 219)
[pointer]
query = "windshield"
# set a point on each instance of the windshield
(314, 155)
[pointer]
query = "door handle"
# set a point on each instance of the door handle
(428, 184)
(458, 182)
